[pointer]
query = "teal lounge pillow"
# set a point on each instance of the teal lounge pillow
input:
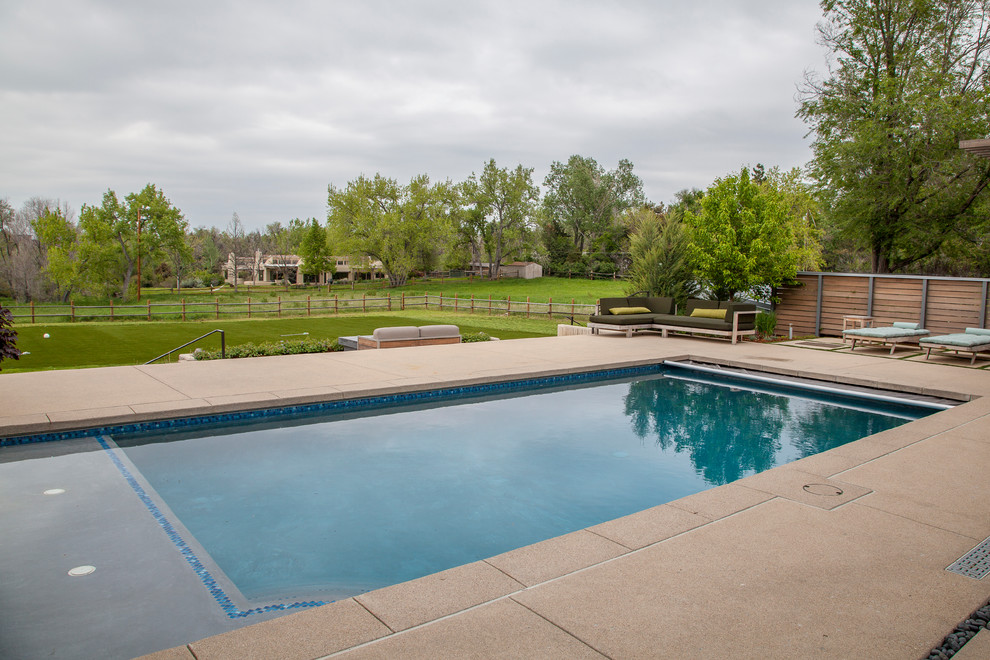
(905, 325)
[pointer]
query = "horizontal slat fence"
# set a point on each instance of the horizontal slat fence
(943, 305)
(309, 306)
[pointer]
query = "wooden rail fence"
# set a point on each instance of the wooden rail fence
(184, 311)
(943, 305)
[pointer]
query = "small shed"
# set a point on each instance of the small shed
(527, 270)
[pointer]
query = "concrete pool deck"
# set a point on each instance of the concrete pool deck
(842, 554)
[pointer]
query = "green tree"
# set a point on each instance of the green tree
(117, 236)
(910, 79)
(501, 219)
(392, 223)
(315, 251)
(742, 238)
(585, 198)
(59, 239)
(660, 248)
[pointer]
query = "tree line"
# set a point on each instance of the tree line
(887, 190)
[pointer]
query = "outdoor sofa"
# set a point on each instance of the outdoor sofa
(898, 332)
(410, 335)
(709, 317)
(972, 341)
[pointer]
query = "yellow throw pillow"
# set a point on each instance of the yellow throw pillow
(709, 313)
(630, 310)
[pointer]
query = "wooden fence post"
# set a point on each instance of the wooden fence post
(249, 306)
(364, 302)
(335, 310)
(72, 311)
(183, 309)
(309, 309)
(389, 297)
(550, 308)
(111, 309)
(472, 303)
(149, 310)
(527, 306)
(279, 307)
(455, 301)
(489, 304)
(32, 311)
(218, 308)
(508, 305)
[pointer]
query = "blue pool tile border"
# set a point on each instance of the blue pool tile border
(338, 405)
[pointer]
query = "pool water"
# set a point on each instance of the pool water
(331, 506)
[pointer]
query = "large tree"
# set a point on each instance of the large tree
(743, 237)
(585, 198)
(660, 247)
(394, 224)
(908, 81)
(501, 220)
(118, 235)
(315, 251)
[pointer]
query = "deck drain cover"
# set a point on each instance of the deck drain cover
(975, 563)
(823, 489)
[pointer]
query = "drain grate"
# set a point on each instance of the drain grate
(975, 563)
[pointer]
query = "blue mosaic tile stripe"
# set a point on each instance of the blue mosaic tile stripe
(201, 571)
(346, 404)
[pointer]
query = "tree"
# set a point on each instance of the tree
(660, 249)
(235, 242)
(59, 239)
(504, 205)
(278, 244)
(742, 238)
(21, 258)
(117, 235)
(394, 224)
(315, 251)
(585, 198)
(910, 79)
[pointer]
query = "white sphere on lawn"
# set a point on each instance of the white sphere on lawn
(46, 335)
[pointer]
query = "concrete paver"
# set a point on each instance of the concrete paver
(756, 568)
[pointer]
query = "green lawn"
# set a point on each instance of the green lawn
(76, 345)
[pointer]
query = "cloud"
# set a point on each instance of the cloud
(256, 107)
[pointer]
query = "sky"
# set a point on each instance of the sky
(255, 107)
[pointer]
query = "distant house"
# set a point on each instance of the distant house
(527, 270)
(262, 269)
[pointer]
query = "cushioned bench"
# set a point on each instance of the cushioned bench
(897, 333)
(972, 341)
(410, 335)
(709, 317)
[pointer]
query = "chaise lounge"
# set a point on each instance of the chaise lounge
(898, 332)
(709, 317)
(972, 341)
(410, 335)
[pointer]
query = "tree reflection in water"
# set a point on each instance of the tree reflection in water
(729, 433)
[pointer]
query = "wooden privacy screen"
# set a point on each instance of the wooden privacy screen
(942, 305)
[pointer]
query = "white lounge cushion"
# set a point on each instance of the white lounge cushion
(438, 331)
(396, 333)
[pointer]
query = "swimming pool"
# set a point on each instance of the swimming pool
(318, 503)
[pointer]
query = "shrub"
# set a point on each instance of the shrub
(274, 348)
(766, 323)
(8, 337)
(470, 337)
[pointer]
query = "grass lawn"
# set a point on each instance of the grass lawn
(76, 345)
(199, 302)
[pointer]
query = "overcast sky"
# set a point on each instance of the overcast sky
(256, 107)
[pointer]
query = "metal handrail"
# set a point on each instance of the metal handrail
(223, 346)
